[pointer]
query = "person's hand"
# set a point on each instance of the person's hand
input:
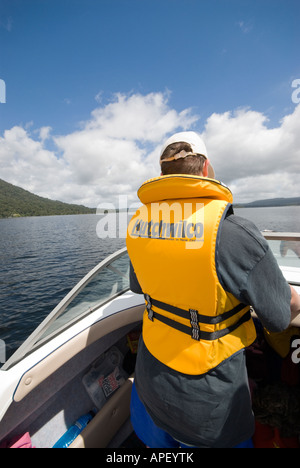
(295, 308)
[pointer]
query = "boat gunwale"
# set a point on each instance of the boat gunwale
(32, 343)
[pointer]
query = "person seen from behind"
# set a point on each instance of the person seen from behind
(200, 268)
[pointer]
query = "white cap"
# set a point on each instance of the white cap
(192, 138)
(196, 143)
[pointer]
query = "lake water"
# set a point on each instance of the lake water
(42, 258)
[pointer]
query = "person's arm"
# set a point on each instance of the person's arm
(295, 308)
(251, 273)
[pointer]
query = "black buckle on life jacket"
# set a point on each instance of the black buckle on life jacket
(194, 320)
(149, 307)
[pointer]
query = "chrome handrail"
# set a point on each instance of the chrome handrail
(273, 235)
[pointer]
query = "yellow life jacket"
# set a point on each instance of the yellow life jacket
(281, 341)
(191, 324)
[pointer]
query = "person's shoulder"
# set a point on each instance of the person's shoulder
(237, 222)
(243, 230)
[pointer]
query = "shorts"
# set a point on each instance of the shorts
(150, 434)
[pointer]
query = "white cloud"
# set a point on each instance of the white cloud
(112, 151)
(26, 162)
(138, 118)
(245, 26)
(44, 133)
(98, 97)
(118, 147)
(110, 155)
(254, 160)
(260, 187)
(6, 23)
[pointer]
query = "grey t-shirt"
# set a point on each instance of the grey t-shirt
(214, 410)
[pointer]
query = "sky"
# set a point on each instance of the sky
(90, 89)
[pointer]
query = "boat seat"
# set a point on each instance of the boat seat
(107, 422)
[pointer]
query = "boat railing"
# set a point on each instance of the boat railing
(282, 236)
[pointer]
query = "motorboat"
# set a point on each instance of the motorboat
(81, 358)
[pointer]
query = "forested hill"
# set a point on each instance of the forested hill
(15, 201)
(270, 202)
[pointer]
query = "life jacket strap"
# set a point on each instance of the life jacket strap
(194, 320)
(194, 317)
(149, 306)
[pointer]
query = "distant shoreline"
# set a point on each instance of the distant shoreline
(46, 215)
(269, 203)
(16, 202)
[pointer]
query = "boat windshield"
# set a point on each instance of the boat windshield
(106, 281)
(286, 249)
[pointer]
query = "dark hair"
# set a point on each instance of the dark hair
(189, 165)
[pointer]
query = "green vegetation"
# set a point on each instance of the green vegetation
(15, 202)
(270, 202)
